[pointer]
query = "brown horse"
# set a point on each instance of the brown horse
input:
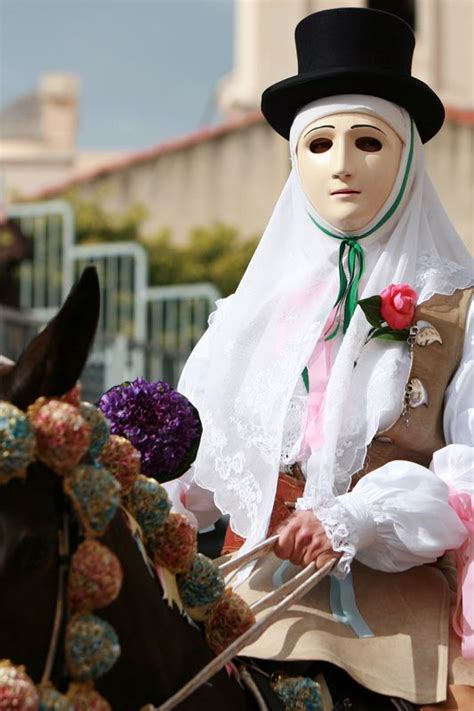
(160, 650)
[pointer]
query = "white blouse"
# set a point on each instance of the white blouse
(397, 517)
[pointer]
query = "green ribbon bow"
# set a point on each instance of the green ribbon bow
(346, 302)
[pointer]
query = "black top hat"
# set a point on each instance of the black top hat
(353, 51)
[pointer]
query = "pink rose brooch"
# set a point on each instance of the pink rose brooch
(392, 317)
(391, 314)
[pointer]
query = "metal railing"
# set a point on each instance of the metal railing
(17, 328)
(113, 358)
(143, 331)
(177, 317)
(47, 278)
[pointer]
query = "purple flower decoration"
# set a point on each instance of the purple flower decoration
(160, 422)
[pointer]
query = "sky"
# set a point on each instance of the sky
(148, 68)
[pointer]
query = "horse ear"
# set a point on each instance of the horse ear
(53, 361)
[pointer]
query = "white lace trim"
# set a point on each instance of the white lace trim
(445, 274)
(348, 522)
(339, 529)
(294, 426)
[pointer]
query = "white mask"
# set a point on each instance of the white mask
(348, 163)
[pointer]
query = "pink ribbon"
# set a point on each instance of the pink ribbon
(319, 370)
(463, 618)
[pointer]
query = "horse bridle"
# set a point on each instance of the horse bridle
(60, 608)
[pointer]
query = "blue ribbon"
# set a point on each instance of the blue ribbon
(341, 600)
(279, 574)
(344, 608)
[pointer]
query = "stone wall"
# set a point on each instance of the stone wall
(450, 164)
(235, 173)
(232, 174)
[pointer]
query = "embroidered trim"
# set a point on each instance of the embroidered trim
(338, 525)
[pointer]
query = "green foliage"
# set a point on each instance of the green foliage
(214, 253)
(93, 224)
(165, 260)
(227, 271)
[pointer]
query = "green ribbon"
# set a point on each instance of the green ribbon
(305, 376)
(348, 296)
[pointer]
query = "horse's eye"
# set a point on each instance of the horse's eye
(32, 553)
(320, 145)
(368, 144)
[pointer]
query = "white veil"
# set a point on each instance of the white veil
(242, 375)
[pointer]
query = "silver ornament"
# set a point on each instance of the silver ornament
(426, 334)
(416, 393)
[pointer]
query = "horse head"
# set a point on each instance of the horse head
(160, 651)
(30, 509)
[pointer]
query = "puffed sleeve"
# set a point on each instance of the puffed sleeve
(398, 516)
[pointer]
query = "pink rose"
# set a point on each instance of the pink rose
(398, 305)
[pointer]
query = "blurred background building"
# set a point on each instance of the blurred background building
(38, 134)
(234, 172)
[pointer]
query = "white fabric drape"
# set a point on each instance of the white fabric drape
(397, 517)
(243, 374)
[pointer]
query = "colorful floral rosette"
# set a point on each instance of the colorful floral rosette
(84, 697)
(174, 545)
(17, 442)
(92, 647)
(95, 495)
(149, 504)
(297, 693)
(122, 459)
(160, 422)
(229, 618)
(95, 577)
(17, 690)
(63, 436)
(52, 700)
(100, 428)
(200, 587)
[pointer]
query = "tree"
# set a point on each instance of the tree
(214, 253)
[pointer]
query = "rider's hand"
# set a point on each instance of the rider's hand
(303, 540)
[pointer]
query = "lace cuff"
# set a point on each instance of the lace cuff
(347, 522)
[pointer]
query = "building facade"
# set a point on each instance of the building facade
(38, 138)
(234, 172)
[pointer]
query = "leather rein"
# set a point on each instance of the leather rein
(60, 609)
